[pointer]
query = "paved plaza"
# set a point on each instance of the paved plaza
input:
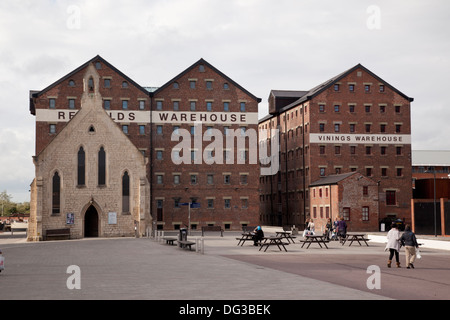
(145, 269)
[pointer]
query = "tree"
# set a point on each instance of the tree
(5, 201)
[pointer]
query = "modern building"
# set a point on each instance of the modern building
(353, 122)
(112, 157)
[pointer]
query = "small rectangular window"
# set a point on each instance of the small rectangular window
(52, 103)
(365, 213)
(124, 104)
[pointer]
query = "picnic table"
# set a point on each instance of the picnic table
(273, 241)
(245, 236)
(287, 235)
(309, 239)
(359, 237)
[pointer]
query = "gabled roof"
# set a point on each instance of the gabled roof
(327, 84)
(332, 179)
(336, 178)
(35, 94)
(204, 62)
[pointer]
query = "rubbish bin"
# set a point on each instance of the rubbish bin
(183, 235)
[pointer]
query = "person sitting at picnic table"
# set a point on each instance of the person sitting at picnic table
(258, 236)
(310, 229)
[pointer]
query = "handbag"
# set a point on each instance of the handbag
(418, 255)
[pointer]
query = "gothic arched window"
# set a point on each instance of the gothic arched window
(125, 193)
(56, 194)
(81, 167)
(101, 167)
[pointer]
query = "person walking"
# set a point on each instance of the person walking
(393, 244)
(342, 229)
(409, 240)
(328, 228)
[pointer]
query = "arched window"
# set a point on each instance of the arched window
(126, 193)
(81, 167)
(91, 84)
(101, 167)
(56, 194)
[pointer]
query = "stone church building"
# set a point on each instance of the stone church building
(90, 178)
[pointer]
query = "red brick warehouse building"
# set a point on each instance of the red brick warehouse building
(204, 102)
(201, 97)
(355, 121)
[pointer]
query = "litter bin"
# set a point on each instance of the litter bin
(183, 235)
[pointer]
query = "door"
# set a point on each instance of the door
(91, 223)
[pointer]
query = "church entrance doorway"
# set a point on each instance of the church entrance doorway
(91, 223)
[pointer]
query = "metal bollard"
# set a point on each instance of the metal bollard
(203, 245)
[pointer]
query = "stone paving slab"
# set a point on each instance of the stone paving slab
(128, 269)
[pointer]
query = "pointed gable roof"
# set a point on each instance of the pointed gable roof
(327, 84)
(336, 178)
(97, 58)
(204, 62)
(91, 110)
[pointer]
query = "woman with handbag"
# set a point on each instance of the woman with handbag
(393, 244)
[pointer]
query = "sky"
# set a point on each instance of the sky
(260, 44)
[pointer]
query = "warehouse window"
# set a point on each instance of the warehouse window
(390, 198)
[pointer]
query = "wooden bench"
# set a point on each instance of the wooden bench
(57, 233)
(170, 240)
(212, 228)
(186, 244)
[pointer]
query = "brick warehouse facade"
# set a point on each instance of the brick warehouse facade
(225, 194)
(353, 122)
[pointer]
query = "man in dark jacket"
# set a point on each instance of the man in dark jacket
(409, 240)
(258, 236)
